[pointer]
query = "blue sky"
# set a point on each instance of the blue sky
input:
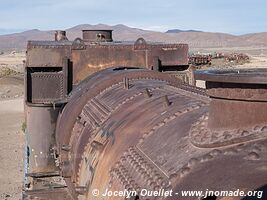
(230, 16)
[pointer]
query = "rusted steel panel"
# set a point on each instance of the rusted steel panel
(230, 168)
(108, 101)
(47, 53)
(47, 87)
(241, 95)
(55, 194)
(41, 122)
(248, 76)
(172, 54)
(97, 57)
(121, 132)
(87, 62)
(129, 128)
(97, 51)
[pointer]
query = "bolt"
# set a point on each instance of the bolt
(81, 190)
(147, 93)
(167, 103)
(66, 147)
(126, 83)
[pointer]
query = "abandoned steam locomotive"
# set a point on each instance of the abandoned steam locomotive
(104, 115)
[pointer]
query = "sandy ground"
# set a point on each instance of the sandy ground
(11, 135)
(255, 62)
(11, 87)
(12, 61)
(12, 145)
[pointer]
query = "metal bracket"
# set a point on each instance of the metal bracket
(140, 44)
(78, 44)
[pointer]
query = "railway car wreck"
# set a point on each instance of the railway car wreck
(104, 116)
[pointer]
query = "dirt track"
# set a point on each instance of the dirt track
(12, 144)
(11, 137)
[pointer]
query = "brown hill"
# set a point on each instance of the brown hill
(124, 33)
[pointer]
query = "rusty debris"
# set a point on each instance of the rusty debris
(206, 59)
(237, 57)
(200, 59)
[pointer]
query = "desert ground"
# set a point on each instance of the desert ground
(11, 120)
(12, 138)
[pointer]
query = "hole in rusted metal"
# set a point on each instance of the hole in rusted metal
(124, 68)
(44, 69)
(136, 197)
(166, 68)
(210, 198)
(133, 198)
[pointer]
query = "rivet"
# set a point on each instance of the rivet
(253, 156)
(147, 93)
(257, 128)
(81, 190)
(167, 103)
(215, 152)
(66, 147)
(264, 128)
(230, 151)
(244, 133)
(185, 171)
(227, 135)
(206, 158)
(192, 162)
(173, 177)
(126, 83)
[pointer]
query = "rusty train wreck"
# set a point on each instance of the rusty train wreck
(106, 115)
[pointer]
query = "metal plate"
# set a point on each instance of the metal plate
(47, 87)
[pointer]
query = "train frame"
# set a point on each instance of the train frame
(105, 115)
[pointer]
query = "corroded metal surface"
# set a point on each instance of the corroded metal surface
(253, 76)
(108, 117)
(97, 51)
(152, 135)
(45, 194)
(131, 128)
(240, 94)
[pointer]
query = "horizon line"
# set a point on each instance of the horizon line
(4, 31)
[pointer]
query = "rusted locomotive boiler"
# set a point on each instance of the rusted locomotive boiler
(131, 128)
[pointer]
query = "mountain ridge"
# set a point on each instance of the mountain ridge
(121, 32)
(179, 30)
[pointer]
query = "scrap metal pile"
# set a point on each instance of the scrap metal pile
(198, 59)
(236, 57)
(217, 55)
(206, 59)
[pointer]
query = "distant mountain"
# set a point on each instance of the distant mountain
(8, 31)
(179, 31)
(18, 41)
(195, 39)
